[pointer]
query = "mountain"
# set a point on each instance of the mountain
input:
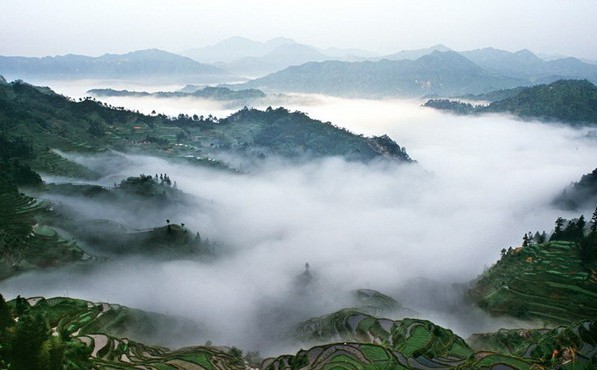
(570, 101)
(579, 194)
(525, 64)
(439, 73)
(235, 48)
(283, 56)
(414, 54)
(49, 120)
(137, 64)
(246, 57)
(208, 92)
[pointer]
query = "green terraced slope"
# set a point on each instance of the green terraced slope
(360, 356)
(101, 336)
(25, 244)
(545, 281)
(547, 347)
(354, 340)
(410, 337)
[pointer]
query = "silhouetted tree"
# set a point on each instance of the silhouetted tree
(557, 232)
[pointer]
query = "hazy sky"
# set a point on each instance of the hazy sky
(41, 27)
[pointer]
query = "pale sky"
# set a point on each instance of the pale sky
(44, 27)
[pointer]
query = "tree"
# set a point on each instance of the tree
(557, 232)
(525, 241)
(5, 315)
(580, 227)
(30, 333)
(593, 228)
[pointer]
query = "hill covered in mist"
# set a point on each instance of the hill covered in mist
(570, 101)
(211, 93)
(581, 194)
(52, 121)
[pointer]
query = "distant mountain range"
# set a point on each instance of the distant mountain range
(286, 65)
(525, 64)
(138, 64)
(208, 92)
(438, 73)
(246, 57)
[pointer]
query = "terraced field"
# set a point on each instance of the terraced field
(107, 330)
(411, 337)
(418, 344)
(360, 356)
(541, 281)
(24, 244)
(578, 340)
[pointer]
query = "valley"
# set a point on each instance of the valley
(292, 185)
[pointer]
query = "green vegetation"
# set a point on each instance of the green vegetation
(548, 347)
(554, 281)
(48, 121)
(64, 333)
(571, 101)
(412, 338)
(141, 194)
(25, 244)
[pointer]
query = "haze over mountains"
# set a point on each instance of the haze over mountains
(253, 58)
(134, 65)
(271, 203)
(294, 67)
